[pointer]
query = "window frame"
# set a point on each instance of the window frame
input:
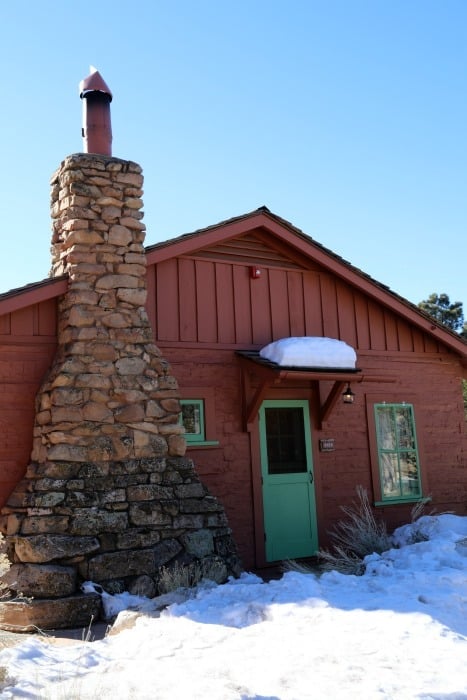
(372, 401)
(195, 438)
(204, 398)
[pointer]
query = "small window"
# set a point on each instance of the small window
(192, 419)
(198, 417)
(398, 458)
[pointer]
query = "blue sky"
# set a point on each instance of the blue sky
(348, 118)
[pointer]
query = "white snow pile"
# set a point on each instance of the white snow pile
(310, 351)
(113, 605)
(397, 632)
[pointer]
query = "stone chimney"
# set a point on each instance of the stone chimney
(109, 495)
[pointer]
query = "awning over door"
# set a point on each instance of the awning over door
(270, 374)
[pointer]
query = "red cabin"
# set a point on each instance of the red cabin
(280, 445)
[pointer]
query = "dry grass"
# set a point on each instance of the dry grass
(419, 533)
(300, 567)
(186, 576)
(358, 535)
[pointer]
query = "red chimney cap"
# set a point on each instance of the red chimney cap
(94, 83)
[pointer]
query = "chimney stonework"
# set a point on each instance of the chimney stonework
(109, 495)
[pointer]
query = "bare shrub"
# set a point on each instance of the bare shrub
(417, 533)
(189, 575)
(419, 509)
(355, 537)
(302, 567)
(298, 566)
(421, 528)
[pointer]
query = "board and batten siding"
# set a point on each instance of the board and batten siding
(217, 303)
(27, 345)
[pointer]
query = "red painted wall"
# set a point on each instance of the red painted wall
(27, 346)
(227, 469)
(211, 302)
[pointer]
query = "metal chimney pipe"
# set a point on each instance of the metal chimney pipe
(97, 128)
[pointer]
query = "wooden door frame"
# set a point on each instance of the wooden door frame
(256, 471)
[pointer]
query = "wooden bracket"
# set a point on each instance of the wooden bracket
(269, 376)
(253, 407)
(325, 409)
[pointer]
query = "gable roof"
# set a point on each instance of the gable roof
(286, 233)
(280, 232)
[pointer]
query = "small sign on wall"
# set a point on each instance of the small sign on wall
(326, 445)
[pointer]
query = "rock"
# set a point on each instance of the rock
(165, 551)
(132, 296)
(115, 281)
(121, 564)
(120, 235)
(61, 613)
(199, 543)
(68, 453)
(127, 619)
(130, 414)
(143, 586)
(196, 490)
(86, 521)
(148, 513)
(130, 366)
(149, 492)
(46, 548)
(41, 580)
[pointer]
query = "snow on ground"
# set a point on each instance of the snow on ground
(310, 351)
(398, 631)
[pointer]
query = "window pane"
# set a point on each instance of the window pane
(390, 476)
(191, 416)
(406, 437)
(409, 474)
(386, 427)
(285, 436)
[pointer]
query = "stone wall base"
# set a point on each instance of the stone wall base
(50, 614)
(142, 525)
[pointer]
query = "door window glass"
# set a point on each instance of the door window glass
(285, 437)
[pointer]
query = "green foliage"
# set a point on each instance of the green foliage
(440, 307)
(450, 315)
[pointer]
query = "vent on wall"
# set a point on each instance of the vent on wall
(251, 250)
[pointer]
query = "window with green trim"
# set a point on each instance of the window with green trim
(398, 458)
(192, 419)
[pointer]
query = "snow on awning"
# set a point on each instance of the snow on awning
(319, 362)
(310, 351)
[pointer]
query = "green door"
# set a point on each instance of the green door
(287, 476)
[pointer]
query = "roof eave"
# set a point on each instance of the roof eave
(35, 293)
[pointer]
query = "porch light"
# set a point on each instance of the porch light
(348, 396)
